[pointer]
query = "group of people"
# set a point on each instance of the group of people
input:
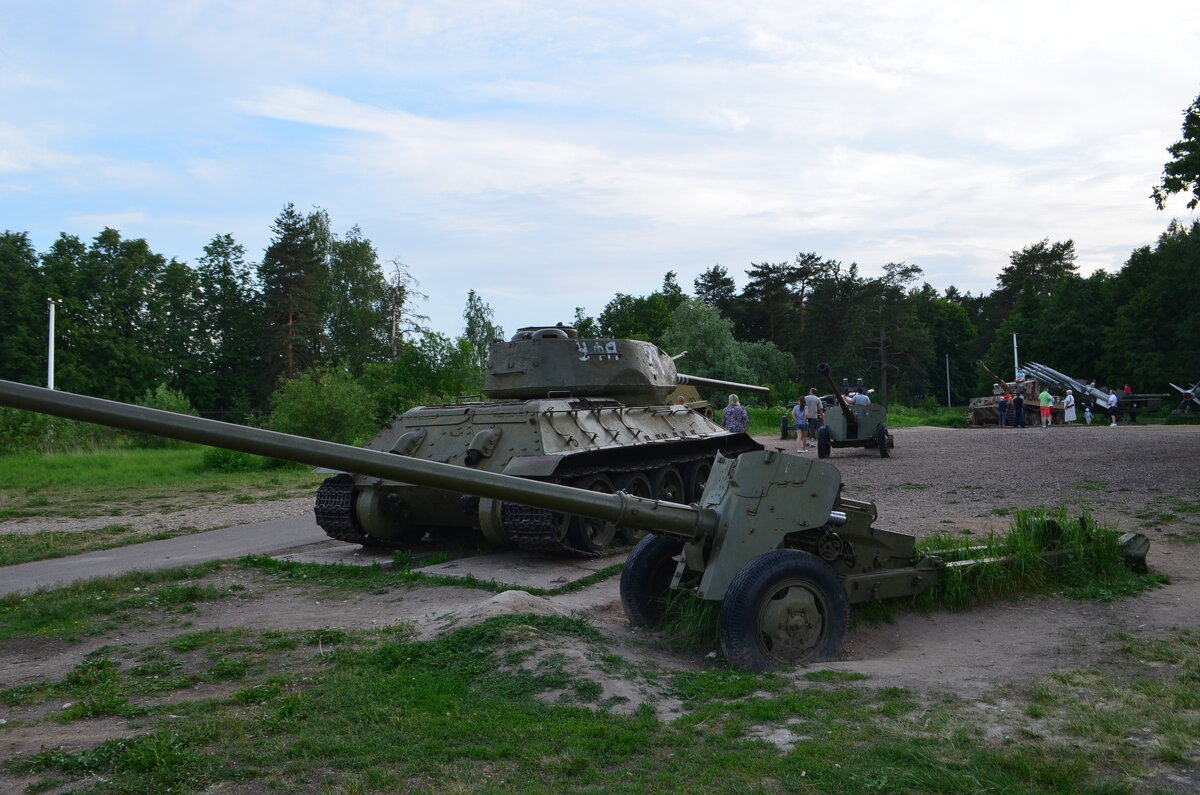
(1046, 403)
(808, 415)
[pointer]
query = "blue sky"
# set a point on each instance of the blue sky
(549, 155)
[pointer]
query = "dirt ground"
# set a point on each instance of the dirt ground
(936, 481)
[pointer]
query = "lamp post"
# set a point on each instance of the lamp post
(50, 359)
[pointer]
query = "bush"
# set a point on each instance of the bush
(323, 404)
(163, 398)
(222, 460)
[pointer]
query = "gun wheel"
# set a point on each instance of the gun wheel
(881, 439)
(785, 607)
(592, 535)
(824, 442)
(635, 484)
(646, 579)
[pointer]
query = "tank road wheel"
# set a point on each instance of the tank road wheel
(694, 479)
(646, 579)
(824, 442)
(785, 607)
(882, 440)
(668, 485)
(592, 535)
(635, 484)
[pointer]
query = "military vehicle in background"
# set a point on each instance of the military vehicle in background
(1035, 377)
(985, 410)
(597, 414)
(772, 538)
(855, 425)
(1190, 405)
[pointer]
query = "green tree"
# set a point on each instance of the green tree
(294, 278)
(229, 309)
(106, 317)
(479, 331)
(636, 317)
(951, 336)
(716, 288)
(359, 303)
(1044, 264)
(23, 311)
(1181, 174)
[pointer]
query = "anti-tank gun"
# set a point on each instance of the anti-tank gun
(857, 425)
(772, 538)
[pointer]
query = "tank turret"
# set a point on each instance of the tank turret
(542, 361)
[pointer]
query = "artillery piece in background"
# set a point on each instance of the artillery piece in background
(1058, 384)
(598, 414)
(852, 426)
(771, 538)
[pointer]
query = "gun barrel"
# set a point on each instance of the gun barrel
(1003, 384)
(680, 521)
(823, 369)
(714, 383)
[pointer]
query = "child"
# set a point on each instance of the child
(1087, 414)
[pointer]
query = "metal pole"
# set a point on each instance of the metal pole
(948, 380)
(1016, 366)
(50, 357)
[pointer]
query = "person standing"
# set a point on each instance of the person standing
(800, 425)
(1018, 407)
(1003, 407)
(1087, 414)
(1069, 408)
(1047, 403)
(734, 418)
(814, 417)
(1112, 409)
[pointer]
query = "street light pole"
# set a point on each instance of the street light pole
(50, 359)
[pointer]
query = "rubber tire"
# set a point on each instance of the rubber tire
(587, 534)
(694, 479)
(646, 579)
(788, 589)
(668, 485)
(638, 485)
(882, 440)
(824, 442)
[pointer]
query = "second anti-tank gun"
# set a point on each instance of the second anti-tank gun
(596, 414)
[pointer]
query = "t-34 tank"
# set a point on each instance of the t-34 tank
(597, 414)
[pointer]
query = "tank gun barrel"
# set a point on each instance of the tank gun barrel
(1003, 384)
(679, 521)
(713, 383)
(823, 369)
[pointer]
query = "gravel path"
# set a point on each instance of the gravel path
(1143, 478)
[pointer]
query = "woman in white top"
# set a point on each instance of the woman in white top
(1069, 408)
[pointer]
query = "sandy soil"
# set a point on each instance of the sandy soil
(936, 480)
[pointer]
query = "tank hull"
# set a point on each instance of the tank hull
(662, 451)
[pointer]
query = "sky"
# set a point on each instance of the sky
(550, 155)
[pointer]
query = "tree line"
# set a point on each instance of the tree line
(227, 333)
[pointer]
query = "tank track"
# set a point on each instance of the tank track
(535, 529)
(334, 510)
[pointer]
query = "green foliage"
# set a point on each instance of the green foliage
(162, 398)
(1088, 563)
(1181, 174)
(323, 404)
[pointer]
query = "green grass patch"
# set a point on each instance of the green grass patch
(1088, 563)
(25, 547)
(68, 484)
(97, 606)
(497, 708)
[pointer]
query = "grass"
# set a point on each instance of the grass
(497, 707)
(518, 703)
(68, 484)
